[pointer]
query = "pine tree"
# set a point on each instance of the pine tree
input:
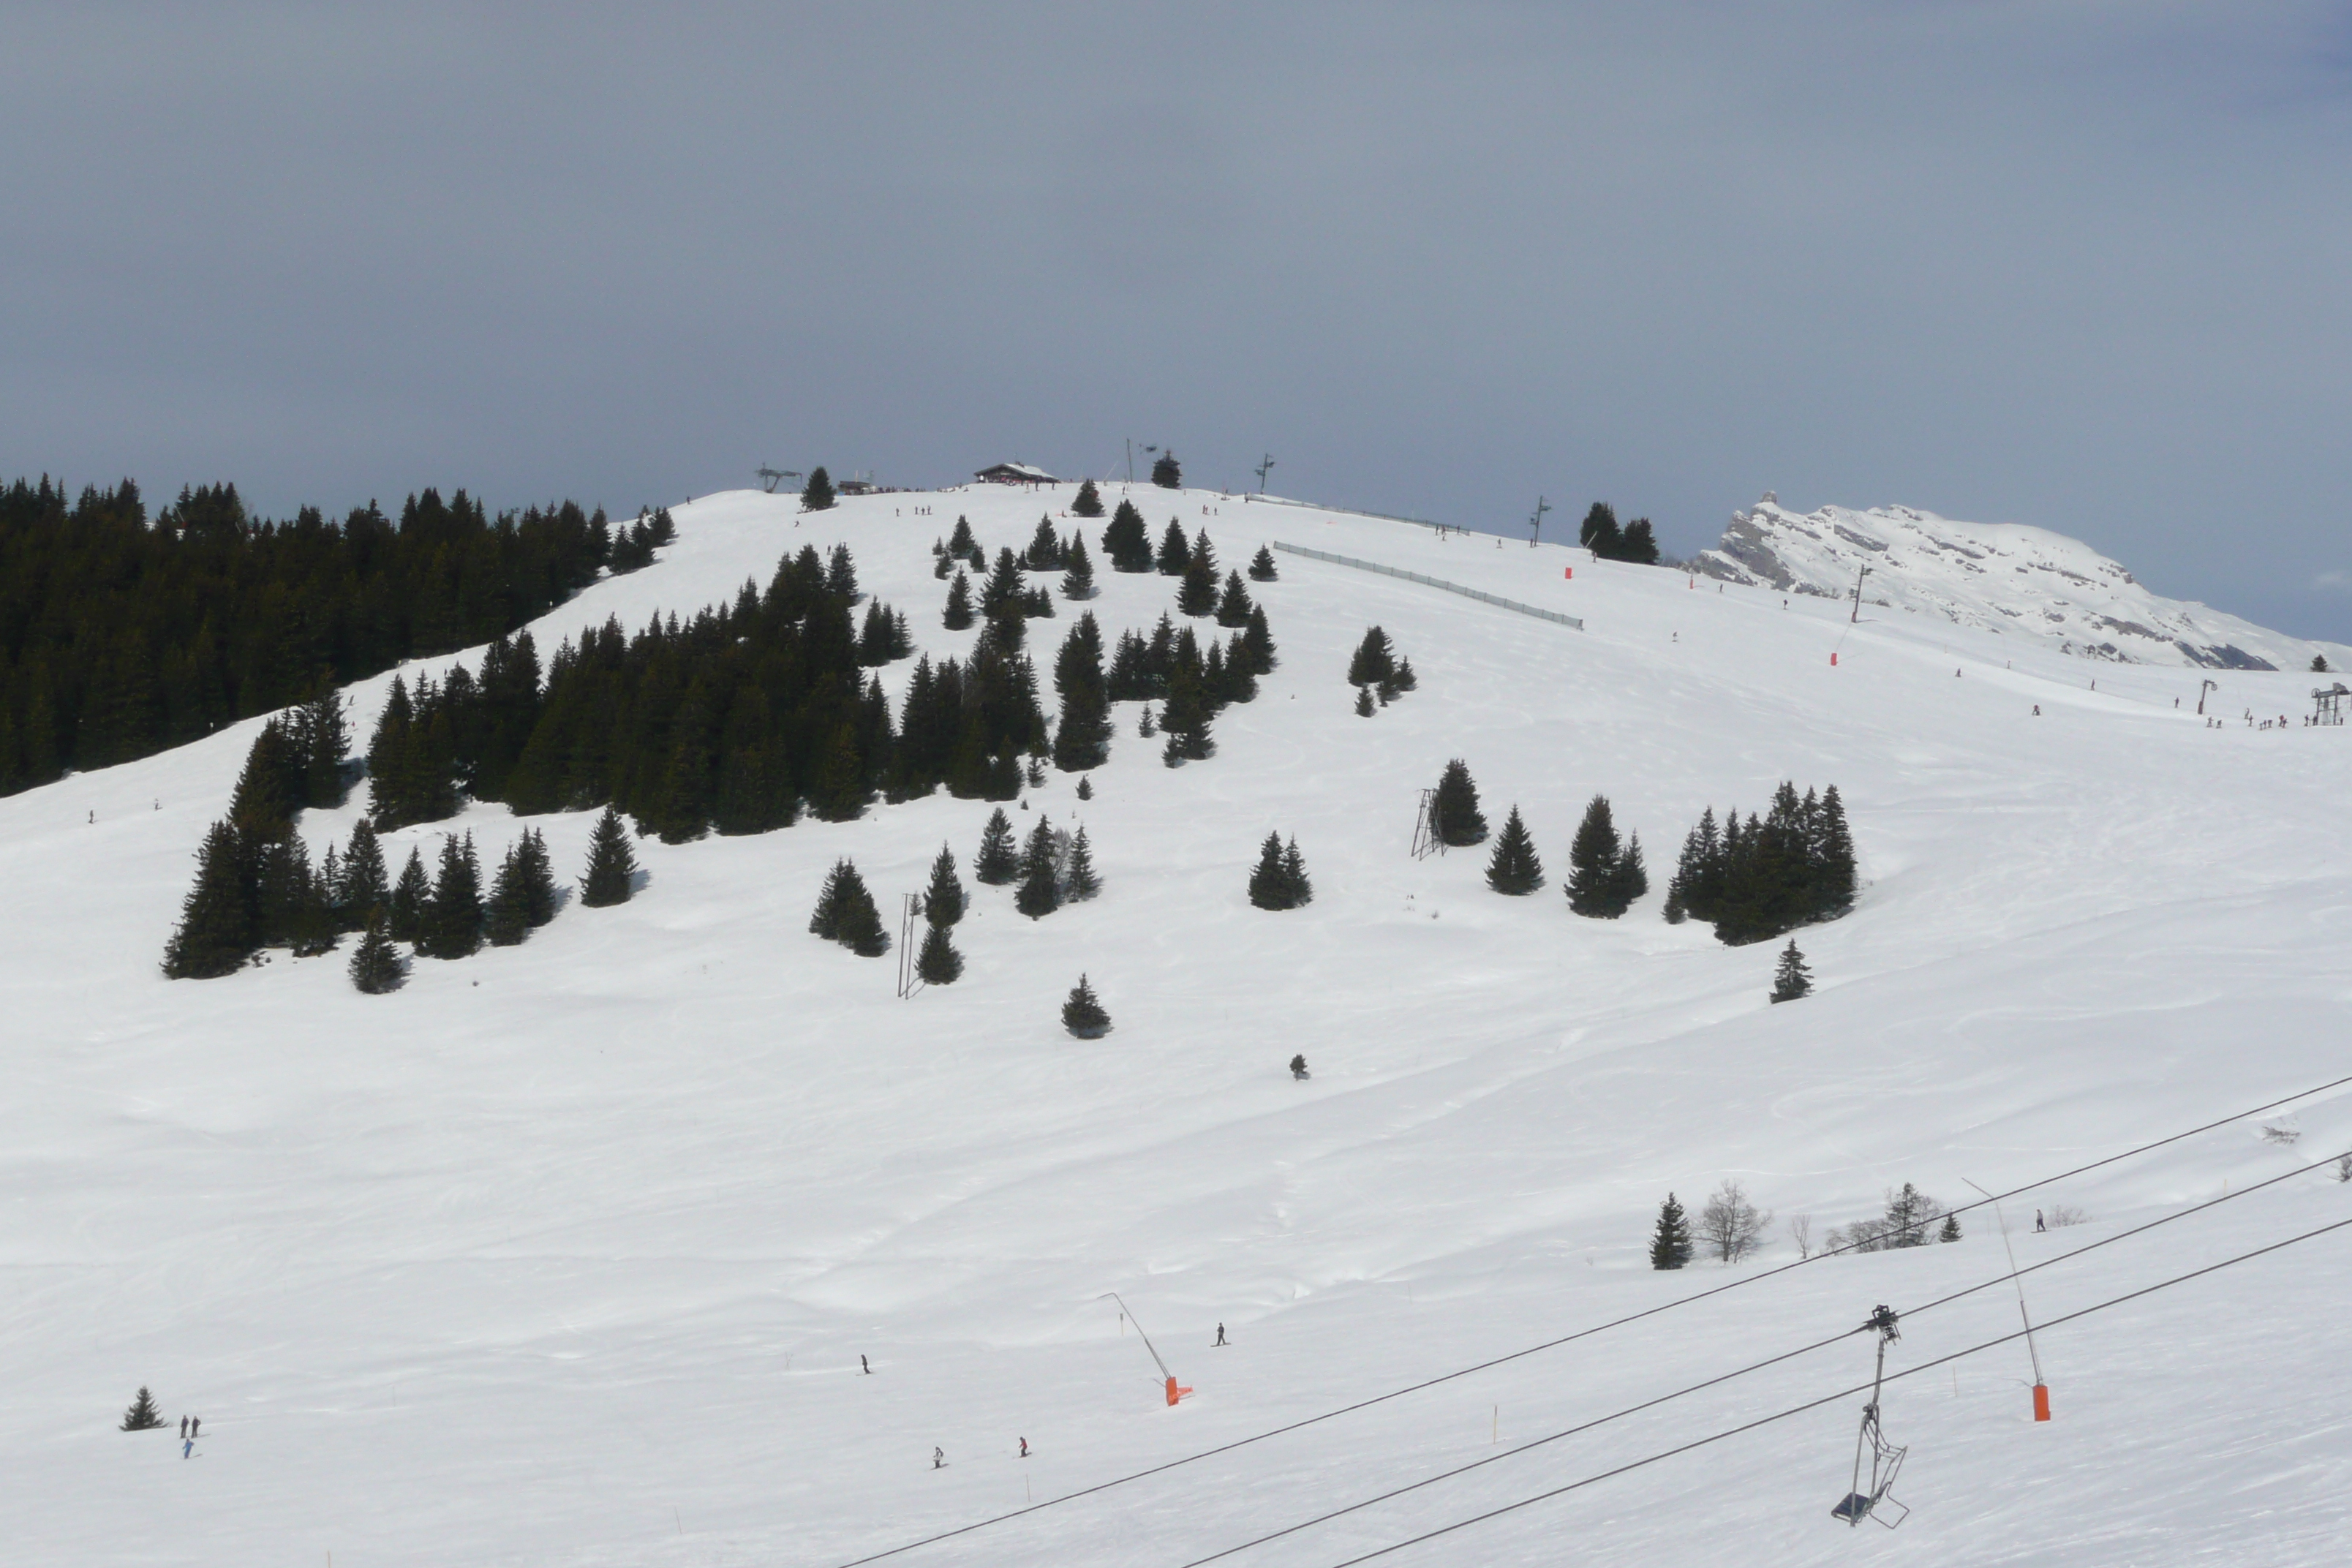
(845, 912)
(1198, 594)
(841, 576)
(453, 919)
(1090, 501)
(1373, 662)
(219, 921)
(1599, 533)
(959, 615)
(1514, 867)
(818, 495)
(612, 864)
(1404, 679)
(1792, 979)
(1633, 880)
(1459, 820)
(1044, 552)
(1166, 473)
(961, 543)
(2319, 664)
(943, 900)
(1639, 545)
(404, 912)
(998, 861)
(1951, 1231)
(364, 886)
(1078, 581)
(142, 1415)
(1670, 1243)
(939, 963)
(1040, 893)
(1294, 875)
(1083, 1014)
(1080, 881)
(1594, 879)
(1262, 565)
(1175, 551)
(1234, 605)
(376, 965)
(1125, 540)
(538, 873)
(506, 922)
(1086, 789)
(1267, 887)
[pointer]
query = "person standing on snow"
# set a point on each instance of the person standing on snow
(939, 1458)
(2037, 1221)
(1024, 1448)
(1221, 1336)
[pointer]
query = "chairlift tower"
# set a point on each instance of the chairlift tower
(1885, 1458)
(1266, 465)
(1426, 839)
(2204, 687)
(771, 477)
(1856, 616)
(1534, 523)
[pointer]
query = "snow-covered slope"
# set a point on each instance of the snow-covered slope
(570, 1253)
(2025, 583)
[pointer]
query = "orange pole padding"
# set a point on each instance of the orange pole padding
(2041, 1401)
(1834, 659)
(1174, 1392)
(1569, 572)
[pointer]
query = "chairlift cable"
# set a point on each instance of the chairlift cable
(1508, 1357)
(1773, 1361)
(1834, 1398)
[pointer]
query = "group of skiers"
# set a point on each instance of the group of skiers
(189, 1426)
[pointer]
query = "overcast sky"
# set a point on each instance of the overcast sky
(2086, 266)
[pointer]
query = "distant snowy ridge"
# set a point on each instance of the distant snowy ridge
(2001, 577)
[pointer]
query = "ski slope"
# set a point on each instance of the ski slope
(567, 1253)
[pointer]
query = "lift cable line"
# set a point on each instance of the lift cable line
(1510, 1356)
(1773, 1361)
(1841, 1394)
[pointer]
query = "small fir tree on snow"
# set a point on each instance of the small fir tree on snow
(1090, 501)
(376, 965)
(1198, 594)
(364, 886)
(453, 919)
(1126, 541)
(961, 543)
(1365, 707)
(958, 616)
(845, 912)
(1262, 565)
(1404, 679)
(537, 872)
(1145, 725)
(2319, 664)
(1951, 1231)
(1374, 661)
(939, 963)
(142, 1415)
(1040, 893)
(1167, 472)
(1083, 1014)
(841, 576)
(1175, 551)
(1280, 881)
(1078, 579)
(943, 900)
(999, 860)
(1086, 788)
(1079, 880)
(1294, 875)
(818, 494)
(1595, 880)
(1792, 979)
(410, 896)
(1460, 823)
(506, 922)
(1044, 552)
(1233, 605)
(1515, 868)
(1670, 1241)
(1600, 532)
(215, 934)
(612, 863)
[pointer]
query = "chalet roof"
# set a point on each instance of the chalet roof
(1016, 474)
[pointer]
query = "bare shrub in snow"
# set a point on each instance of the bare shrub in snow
(1800, 1229)
(2062, 1215)
(1729, 1225)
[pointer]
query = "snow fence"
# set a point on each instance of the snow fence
(1479, 594)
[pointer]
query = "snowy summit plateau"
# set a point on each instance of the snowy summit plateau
(2021, 582)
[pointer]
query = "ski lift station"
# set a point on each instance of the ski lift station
(1013, 474)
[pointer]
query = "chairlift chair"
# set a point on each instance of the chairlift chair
(1885, 1458)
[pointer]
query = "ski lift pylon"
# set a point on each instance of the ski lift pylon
(1885, 1458)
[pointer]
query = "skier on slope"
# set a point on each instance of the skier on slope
(939, 1458)
(1298, 1066)
(1221, 1336)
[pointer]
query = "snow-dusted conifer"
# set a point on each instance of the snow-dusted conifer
(999, 861)
(1515, 868)
(1792, 979)
(1083, 1014)
(1670, 1240)
(612, 863)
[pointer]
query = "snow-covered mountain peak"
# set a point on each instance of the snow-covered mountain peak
(2002, 577)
